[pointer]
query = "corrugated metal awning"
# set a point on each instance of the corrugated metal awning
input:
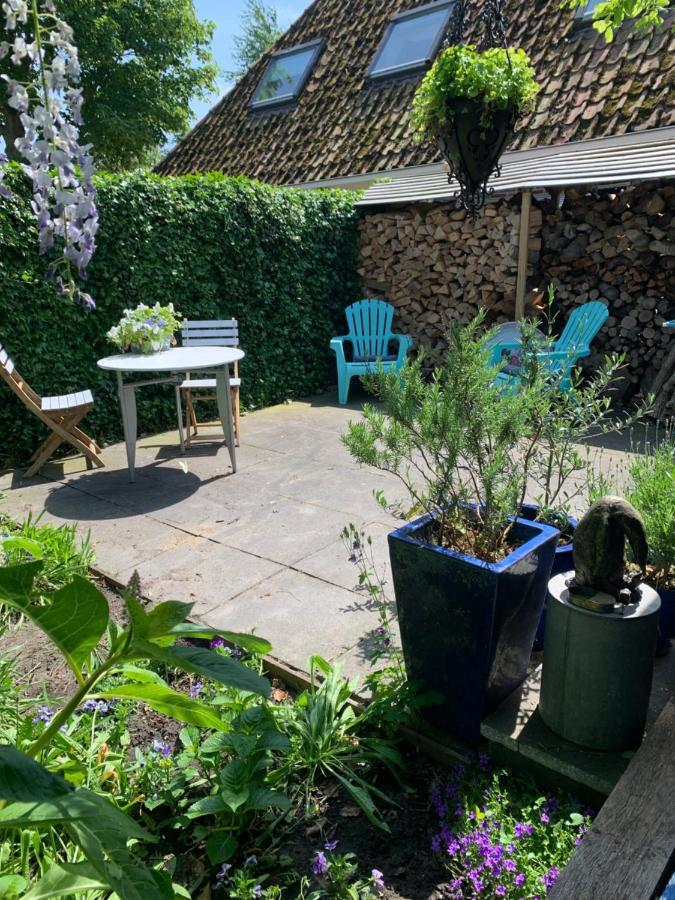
(626, 159)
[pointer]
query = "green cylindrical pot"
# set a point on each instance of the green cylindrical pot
(597, 669)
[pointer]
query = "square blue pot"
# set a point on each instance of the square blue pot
(467, 626)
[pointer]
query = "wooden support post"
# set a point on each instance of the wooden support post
(523, 243)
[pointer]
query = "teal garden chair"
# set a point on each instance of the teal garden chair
(572, 345)
(370, 335)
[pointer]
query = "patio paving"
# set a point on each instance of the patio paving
(259, 550)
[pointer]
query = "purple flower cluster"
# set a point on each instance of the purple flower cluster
(471, 838)
(49, 109)
(218, 643)
(161, 748)
(101, 707)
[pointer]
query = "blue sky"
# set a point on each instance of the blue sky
(227, 16)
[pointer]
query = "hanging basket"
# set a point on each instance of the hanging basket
(472, 149)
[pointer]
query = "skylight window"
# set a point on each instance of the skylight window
(412, 39)
(286, 75)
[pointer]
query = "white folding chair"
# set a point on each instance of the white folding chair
(60, 414)
(223, 333)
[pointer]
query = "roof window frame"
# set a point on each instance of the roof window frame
(417, 65)
(317, 45)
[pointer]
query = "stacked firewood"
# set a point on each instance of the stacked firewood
(618, 246)
(436, 266)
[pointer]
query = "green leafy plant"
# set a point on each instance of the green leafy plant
(337, 875)
(75, 620)
(326, 741)
(496, 77)
(460, 445)
(651, 490)
(62, 552)
(146, 329)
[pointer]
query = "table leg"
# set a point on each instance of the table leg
(179, 410)
(224, 399)
(127, 394)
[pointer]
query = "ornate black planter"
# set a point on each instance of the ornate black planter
(473, 149)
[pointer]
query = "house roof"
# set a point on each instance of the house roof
(345, 124)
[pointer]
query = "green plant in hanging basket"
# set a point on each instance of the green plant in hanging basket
(497, 79)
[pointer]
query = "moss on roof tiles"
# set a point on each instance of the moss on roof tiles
(344, 124)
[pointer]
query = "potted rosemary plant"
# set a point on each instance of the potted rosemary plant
(469, 574)
(468, 103)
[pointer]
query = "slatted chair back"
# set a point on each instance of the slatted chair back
(61, 414)
(210, 333)
(370, 324)
(582, 326)
(18, 385)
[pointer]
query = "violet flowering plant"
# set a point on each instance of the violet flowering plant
(146, 329)
(49, 105)
(499, 837)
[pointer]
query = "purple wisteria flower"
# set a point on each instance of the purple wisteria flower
(49, 109)
(217, 643)
(522, 829)
(320, 863)
(196, 690)
(519, 880)
(378, 879)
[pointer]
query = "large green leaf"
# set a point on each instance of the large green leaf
(250, 642)
(74, 620)
(159, 621)
(67, 879)
(16, 584)
(169, 703)
(22, 779)
(208, 663)
(96, 825)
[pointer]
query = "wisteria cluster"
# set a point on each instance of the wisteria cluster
(502, 840)
(49, 105)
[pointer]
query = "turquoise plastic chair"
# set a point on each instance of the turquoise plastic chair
(370, 335)
(572, 345)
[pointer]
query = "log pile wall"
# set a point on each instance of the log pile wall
(436, 266)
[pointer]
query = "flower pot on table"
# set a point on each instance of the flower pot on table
(467, 626)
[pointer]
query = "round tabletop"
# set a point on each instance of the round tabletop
(176, 359)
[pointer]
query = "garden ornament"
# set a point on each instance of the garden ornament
(599, 554)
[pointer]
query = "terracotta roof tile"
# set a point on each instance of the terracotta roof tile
(344, 124)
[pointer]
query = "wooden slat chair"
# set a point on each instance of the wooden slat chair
(60, 414)
(370, 335)
(208, 333)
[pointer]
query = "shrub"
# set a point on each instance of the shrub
(652, 492)
(281, 261)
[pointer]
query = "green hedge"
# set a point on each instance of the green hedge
(281, 261)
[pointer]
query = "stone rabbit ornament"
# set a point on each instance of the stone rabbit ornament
(599, 549)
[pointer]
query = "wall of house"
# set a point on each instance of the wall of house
(619, 245)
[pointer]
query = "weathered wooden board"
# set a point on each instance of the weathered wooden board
(632, 841)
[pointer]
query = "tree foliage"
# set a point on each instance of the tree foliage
(260, 31)
(610, 15)
(143, 62)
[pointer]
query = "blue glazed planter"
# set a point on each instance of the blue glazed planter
(467, 626)
(563, 561)
(667, 617)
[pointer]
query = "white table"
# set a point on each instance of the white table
(175, 361)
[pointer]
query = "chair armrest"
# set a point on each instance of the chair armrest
(405, 342)
(337, 345)
(571, 355)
